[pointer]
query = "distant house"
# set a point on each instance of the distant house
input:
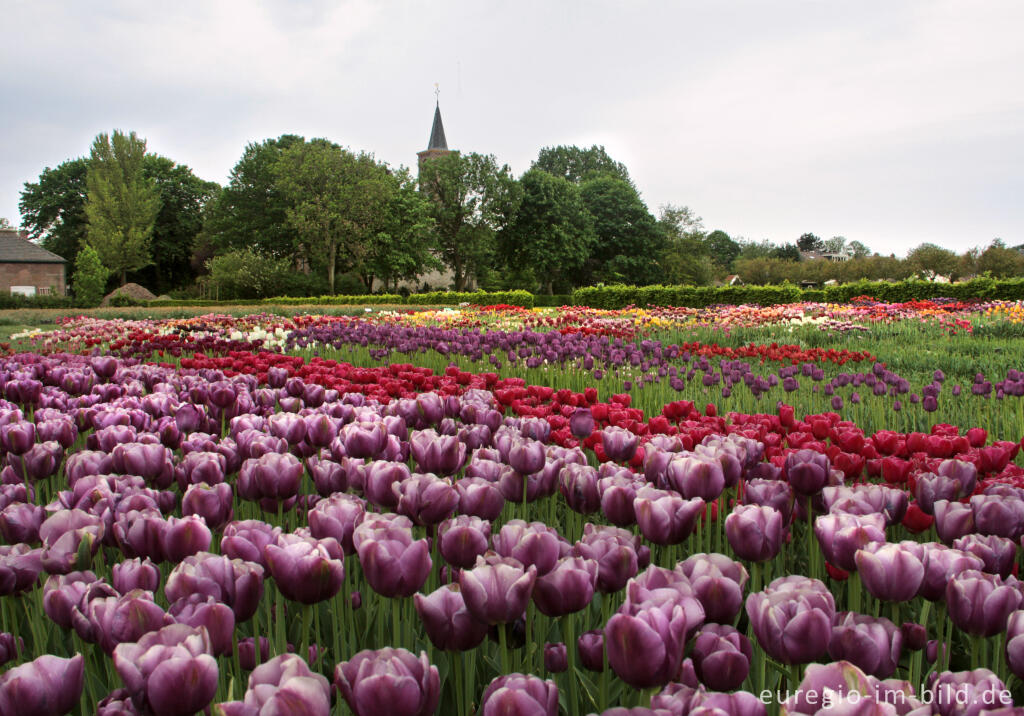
(28, 269)
(828, 256)
(732, 280)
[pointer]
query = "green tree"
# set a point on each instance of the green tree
(835, 245)
(471, 200)
(339, 202)
(402, 248)
(722, 249)
(999, 261)
(858, 250)
(810, 242)
(750, 249)
(248, 273)
(930, 261)
(53, 208)
(183, 197)
(53, 211)
(252, 210)
(90, 278)
(684, 258)
(122, 204)
(786, 252)
(628, 241)
(551, 234)
(577, 164)
(5, 223)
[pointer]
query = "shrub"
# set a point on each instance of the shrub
(90, 278)
(247, 273)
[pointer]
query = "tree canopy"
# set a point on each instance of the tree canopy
(628, 242)
(53, 208)
(122, 204)
(471, 199)
(576, 164)
(552, 234)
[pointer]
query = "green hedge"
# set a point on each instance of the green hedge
(701, 296)
(8, 301)
(435, 298)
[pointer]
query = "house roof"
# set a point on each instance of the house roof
(16, 250)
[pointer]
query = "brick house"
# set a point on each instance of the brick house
(29, 269)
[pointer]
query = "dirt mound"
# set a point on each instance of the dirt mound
(133, 291)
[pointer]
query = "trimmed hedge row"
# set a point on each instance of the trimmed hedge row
(9, 301)
(435, 298)
(619, 296)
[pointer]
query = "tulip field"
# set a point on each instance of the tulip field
(749, 510)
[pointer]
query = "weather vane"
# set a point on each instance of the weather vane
(437, 92)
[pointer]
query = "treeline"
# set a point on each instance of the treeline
(305, 218)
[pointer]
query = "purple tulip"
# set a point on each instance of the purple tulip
(304, 570)
(393, 564)
(337, 517)
(998, 515)
(695, 475)
(645, 648)
(940, 565)
(438, 454)
(534, 544)
(619, 444)
(63, 593)
(755, 532)
(169, 672)
(807, 471)
(968, 693)
(447, 622)
(717, 583)
(841, 534)
(237, 583)
(286, 685)
(10, 647)
(479, 498)
(873, 645)
(272, 479)
(1015, 643)
(721, 657)
(135, 574)
(616, 553)
(618, 492)
(567, 588)
(392, 681)
(463, 539)
(519, 695)
(980, 603)
(212, 503)
(245, 540)
(581, 424)
(590, 647)
(115, 620)
(664, 517)
(770, 493)
(20, 522)
(149, 461)
(426, 499)
(556, 658)
(497, 593)
(381, 481)
(185, 536)
(17, 438)
(48, 686)
(890, 572)
(998, 553)
(953, 520)
(200, 610)
(578, 485)
(792, 619)
(841, 687)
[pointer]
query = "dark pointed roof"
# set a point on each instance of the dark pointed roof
(437, 140)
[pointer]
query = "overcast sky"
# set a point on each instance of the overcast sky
(891, 122)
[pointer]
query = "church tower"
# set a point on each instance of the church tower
(438, 145)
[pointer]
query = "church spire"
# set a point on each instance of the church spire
(437, 140)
